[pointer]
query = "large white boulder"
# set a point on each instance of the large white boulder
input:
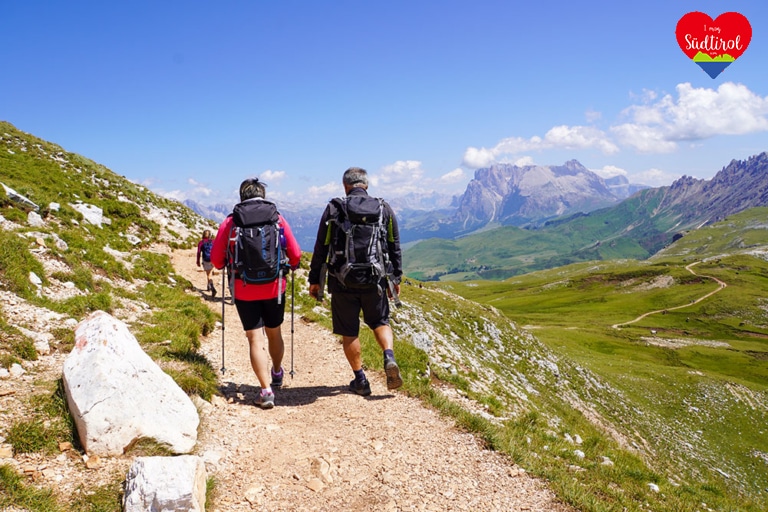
(118, 395)
(165, 484)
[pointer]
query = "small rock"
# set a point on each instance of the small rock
(34, 279)
(606, 462)
(579, 454)
(93, 462)
(17, 370)
(653, 487)
(315, 484)
(63, 447)
(254, 495)
(6, 451)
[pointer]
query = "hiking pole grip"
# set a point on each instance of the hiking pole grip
(393, 293)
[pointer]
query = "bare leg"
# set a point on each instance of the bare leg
(276, 346)
(259, 358)
(384, 337)
(353, 351)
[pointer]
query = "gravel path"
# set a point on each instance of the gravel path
(324, 449)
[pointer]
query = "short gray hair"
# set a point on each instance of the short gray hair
(251, 188)
(356, 177)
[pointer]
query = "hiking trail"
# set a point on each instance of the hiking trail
(323, 448)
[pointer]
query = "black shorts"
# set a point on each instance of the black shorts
(255, 314)
(346, 307)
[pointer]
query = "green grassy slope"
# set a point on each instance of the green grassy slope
(693, 379)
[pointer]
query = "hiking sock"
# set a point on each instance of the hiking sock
(359, 375)
(389, 354)
(266, 391)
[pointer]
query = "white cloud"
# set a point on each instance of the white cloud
(272, 176)
(656, 124)
(696, 114)
(455, 176)
(325, 192)
(558, 137)
(609, 171)
(653, 178)
(400, 178)
(524, 161)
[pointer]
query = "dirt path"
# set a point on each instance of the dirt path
(689, 268)
(324, 449)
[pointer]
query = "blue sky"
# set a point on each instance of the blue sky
(190, 97)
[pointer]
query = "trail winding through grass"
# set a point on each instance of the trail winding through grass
(689, 268)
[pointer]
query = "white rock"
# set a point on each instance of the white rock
(54, 207)
(579, 454)
(91, 214)
(35, 220)
(165, 484)
(653, 487)
(4, 374)
(17, 370)
(35, 279)
(117, 394)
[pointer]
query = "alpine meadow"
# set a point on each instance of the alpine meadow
(627, 368)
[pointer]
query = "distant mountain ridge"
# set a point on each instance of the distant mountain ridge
(637, 228)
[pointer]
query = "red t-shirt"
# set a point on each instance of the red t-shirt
(262, 291)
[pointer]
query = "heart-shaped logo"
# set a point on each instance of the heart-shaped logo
(713, 44)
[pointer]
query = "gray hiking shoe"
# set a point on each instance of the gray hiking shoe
(266, 400)
(394, 380)
(277, 378)
(360, 388)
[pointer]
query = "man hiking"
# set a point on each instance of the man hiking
(359, 239)
(257, 243)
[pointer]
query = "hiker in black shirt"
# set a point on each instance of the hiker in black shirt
(367, 284)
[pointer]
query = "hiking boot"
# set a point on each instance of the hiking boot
(277, 378)
(360, 388)
(394, 380)
(266, 400)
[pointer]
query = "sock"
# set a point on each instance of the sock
(389, 354)
(278, 373)
(359, 375)
(266, 391)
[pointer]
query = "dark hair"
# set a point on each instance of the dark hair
(207, 233)
(251, 188)
(355, 177)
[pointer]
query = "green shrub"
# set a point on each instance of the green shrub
(16, 262)
(14, 493)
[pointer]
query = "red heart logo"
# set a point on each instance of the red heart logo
(713, 44)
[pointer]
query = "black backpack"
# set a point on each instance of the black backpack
(258, 255)
(358, 256)
(206, 249)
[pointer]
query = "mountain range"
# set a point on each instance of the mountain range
(636, 227)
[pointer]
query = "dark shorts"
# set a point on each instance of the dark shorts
(346, 307)
(255, 314)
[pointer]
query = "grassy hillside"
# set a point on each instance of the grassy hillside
(692, 377)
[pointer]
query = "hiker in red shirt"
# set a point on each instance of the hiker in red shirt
(259, 298)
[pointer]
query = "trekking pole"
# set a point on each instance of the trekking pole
(223, 323)
(292, 288)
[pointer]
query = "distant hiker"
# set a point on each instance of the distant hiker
(258, 245)
(359, 239)
(204, 252)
